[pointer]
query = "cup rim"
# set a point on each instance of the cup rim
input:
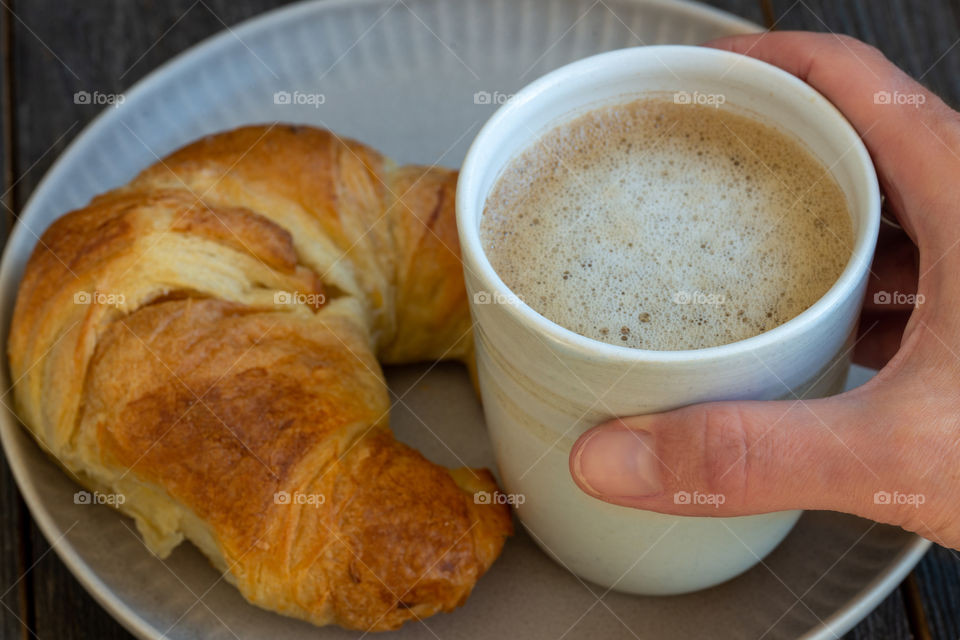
(476, 261)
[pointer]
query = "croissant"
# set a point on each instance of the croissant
(206, 342)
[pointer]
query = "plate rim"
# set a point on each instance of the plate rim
(838, 623)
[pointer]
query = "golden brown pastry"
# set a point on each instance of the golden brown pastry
(205, 342)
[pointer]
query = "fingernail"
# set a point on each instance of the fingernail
(618, 463)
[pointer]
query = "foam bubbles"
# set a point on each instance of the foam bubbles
(664, 226)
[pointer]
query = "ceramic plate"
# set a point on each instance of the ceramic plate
(415, 79)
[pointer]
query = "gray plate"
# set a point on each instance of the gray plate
(410, 77)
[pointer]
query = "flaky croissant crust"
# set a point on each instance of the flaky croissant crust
(206, 342)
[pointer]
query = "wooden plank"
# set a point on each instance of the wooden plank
(749, 9)
(15, 582)
(916, 613)
(887, 622)
(15, 612)
(7, 127)
(938, 581)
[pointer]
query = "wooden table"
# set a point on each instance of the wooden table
(53, 48)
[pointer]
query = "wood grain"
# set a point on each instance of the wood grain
(938, 582)
(15, 581)
(749, 9)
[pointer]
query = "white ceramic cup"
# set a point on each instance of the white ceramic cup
(543, 385)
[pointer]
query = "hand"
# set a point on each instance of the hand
(888, 450)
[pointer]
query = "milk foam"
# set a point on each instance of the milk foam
(663, 226)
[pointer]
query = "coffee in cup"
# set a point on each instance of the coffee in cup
(661, 224)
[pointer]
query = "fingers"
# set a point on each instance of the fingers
(910, 133)
(729, 459)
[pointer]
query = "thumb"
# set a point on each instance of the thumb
(739, 458)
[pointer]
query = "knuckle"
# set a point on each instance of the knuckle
(856, 45)
(726, 447)
(839, 44)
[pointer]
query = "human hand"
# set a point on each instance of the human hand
(888, 450)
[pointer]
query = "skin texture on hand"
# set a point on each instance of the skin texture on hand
(888, 450)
